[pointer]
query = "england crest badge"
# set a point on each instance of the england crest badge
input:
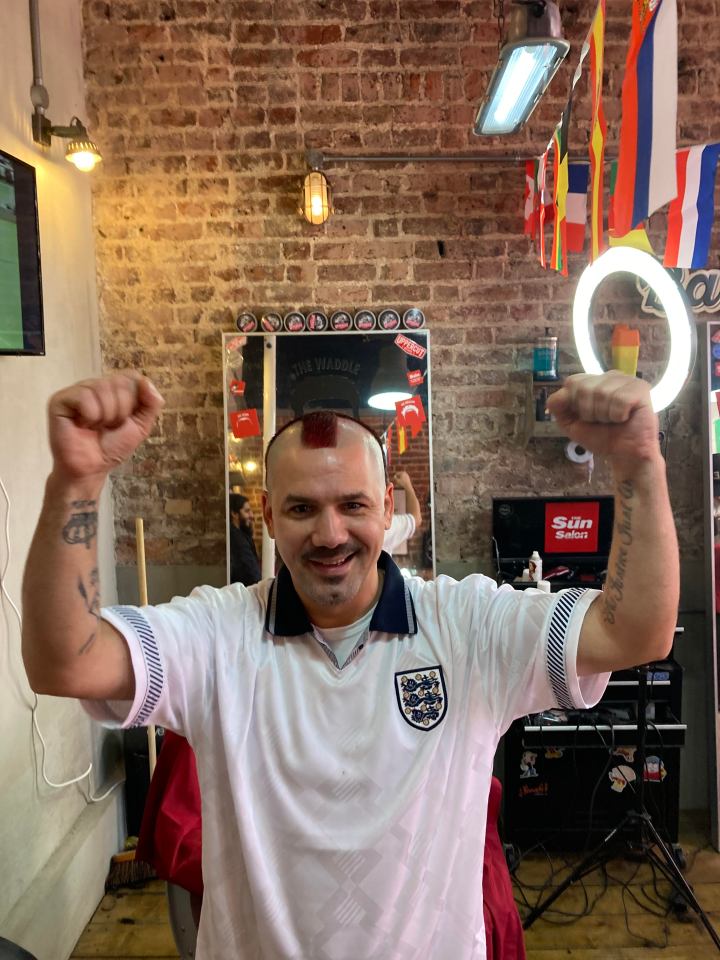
(421, 696)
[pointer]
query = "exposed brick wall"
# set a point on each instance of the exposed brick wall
(204, 110)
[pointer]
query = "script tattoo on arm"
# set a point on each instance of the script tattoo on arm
(615, 584)
(91, 599)
(82, 525)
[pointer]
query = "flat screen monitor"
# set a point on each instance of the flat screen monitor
(21, 312)
(561, 529)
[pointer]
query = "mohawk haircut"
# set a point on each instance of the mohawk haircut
(320, 430)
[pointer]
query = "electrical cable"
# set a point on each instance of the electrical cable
(90, 798)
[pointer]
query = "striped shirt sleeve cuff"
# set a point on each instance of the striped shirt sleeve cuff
(570, 691)
(147, 668)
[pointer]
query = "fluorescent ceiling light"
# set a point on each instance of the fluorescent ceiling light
(672, 300)
(533, 50)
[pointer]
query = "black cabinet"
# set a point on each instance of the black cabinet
(570, 776)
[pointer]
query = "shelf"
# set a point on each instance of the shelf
(539, 429)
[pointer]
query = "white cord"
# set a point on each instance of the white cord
(33, 709)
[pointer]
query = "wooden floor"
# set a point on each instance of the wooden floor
(133, 923)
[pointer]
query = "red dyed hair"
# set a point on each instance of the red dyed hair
(320, 429)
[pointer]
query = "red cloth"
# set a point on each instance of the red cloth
(503, 929)
(171, 831)
(171, 840)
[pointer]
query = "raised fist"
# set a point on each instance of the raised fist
(97, 424)
(609, 414)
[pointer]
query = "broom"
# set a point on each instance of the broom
(125, 870)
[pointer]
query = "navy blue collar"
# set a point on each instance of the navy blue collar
(394, 613)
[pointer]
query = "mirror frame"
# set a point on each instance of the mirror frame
(268, 553)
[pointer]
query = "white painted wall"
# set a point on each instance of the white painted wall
(54, 847)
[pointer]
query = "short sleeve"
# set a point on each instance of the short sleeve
(173, 650)
(528, 645)
(402, 527)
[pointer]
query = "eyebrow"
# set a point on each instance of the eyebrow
(294, 498)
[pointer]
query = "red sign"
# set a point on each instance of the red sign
(245, 423)
(411, 413)
(572, 527)
(237, 388)
(409, 346)
(415, 378)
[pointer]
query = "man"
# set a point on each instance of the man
(344, 719)
(244, 562)
(403, 525)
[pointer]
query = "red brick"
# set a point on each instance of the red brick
(205, 110)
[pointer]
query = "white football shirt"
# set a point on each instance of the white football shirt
(344, 809)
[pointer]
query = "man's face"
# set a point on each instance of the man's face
(328, 510)
(246, 516)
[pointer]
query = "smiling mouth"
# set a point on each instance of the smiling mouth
(332, 565)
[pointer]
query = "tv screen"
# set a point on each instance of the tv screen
(21, 314)
(562, 529)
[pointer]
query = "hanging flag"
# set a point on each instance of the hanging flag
(576, 213)
(690, 217)
(542, 171)
(636, 238)
(410, 413)
(531, 198)
(646, 170)
(558, 258)
(598, 130)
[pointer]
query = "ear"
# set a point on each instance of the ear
(267, 513)
(389, 505)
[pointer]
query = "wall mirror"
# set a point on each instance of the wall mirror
(269, 379)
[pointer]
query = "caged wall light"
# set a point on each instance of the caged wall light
(316, 196)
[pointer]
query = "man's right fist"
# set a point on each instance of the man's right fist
(97, 424)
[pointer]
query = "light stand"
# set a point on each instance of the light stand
(652, 847)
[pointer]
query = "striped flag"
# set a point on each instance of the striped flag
(598, 128)
(646, 172)
(402, 440)
(558, 258)
(542, 171)
(690, 217)
(576, 212)
(638, 237)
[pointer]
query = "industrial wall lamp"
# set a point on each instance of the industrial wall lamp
(530, 55)
(80, 149)
(316, 197)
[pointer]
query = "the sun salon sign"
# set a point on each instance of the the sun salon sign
(702, 288)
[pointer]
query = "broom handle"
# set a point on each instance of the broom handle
(142, 590)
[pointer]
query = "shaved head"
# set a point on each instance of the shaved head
(323, 429)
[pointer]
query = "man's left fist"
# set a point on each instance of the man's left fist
(610, 414)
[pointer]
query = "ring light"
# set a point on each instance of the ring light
(672, 300)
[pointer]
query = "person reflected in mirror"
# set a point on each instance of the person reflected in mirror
(244, 560)
(403, 525)
(344, 718)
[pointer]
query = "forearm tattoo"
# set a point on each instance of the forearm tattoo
(91, 599)
(82, 525)
(615, 583)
